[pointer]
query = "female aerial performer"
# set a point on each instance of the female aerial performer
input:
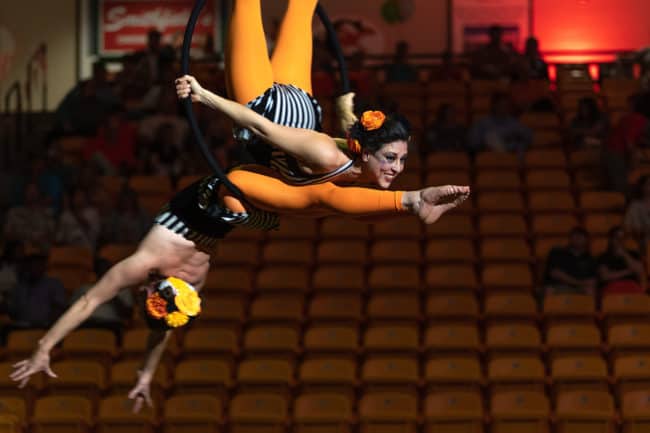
(274, 94)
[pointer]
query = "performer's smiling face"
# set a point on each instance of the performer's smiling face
(384, 165)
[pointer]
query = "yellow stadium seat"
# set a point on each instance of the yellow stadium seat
(229, 279)
(573, 339)
(97, 344)
(202, 376)
(548, 179)
(342, 252)
(507, 276)
(455, 276)
(62, 414)
(338, 228)
(283, 278)
(453, 225)
(134, 344)
(512, 339)
(551, 201)
(585, 158)
(569, 308)
(579, 373)
(510, 306)
(581, 411)
(626, 338)
(545, 159)
(331, 339)
(453, 411)
(501, 202)
(279, 340)
(339, 278)
(625, 307)
(498, 180)
(265, 375)
(335, 307)
(448, 160)
(553, 224)
(388, 412)
(543, 246)
(636, 411)
(450, 250)
(393, 306)
(258, 412)
(13, 411)
(520, 411)
(444, 339)
(239, 252)
(125, 373)
(496, 160)
(21, 343)
(396, 229)
(523, 373)
(397, 277)
(71, 278)
(383, 251)
(505, 250)
(322, 412)
(193, 413)
(502, 225)
(75, 257)
(602, 201)
(452, 307)
(392, 339)
(453, 374)
(210, 342)
(295, 228)
(116, 252)
(285, 308)
(79, 377)
(293, 252)
(390, 373)
(116, 414)
(330, 374)
(632, 372)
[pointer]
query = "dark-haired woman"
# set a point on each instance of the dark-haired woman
(277, 91)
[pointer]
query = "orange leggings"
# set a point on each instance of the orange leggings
(273, 195)
(249, 72)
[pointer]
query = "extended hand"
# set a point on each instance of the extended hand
(187, 85)
(141, 392)
(23, 370)
(436, 200)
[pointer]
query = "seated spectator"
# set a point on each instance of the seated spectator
(620, 270)
(500, 130)
(111, 315)
(114, 146)
(127, 223)
(534, 66)
(400, 71)
(495, 60)
(446, 133)
(589, 127)
(36, 300)
(164, 157)
(33, 221)
(46, 176)
(621, 148)
(79, 223)
(637, 215)
(571, 269)
(447, 69)
(12, 254)
(167, 112)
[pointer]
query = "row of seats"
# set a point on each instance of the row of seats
(389, 412)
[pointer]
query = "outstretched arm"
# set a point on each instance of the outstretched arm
(317, 151)
(129, 272)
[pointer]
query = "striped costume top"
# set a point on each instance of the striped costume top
(197, 214)
(286, 105)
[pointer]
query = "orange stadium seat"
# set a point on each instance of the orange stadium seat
(453, 411)
(602, 201)
(580, 411)
(79, 377)
(151, 185)
(447, 87)
(97, 344)
(496, 160)
(329, 374)
(396, 229)
(546, 139)
(239, 252)
(553, 224)
(391, 339)
(545, 159)
(543, 246)
(569, 308)
(338, 228)
(210, 343)
(124, 374)
(636, 411)
(507, 277)
(498, 180)
(579, 373)
(523, 373)
(341, 252)
(629, 338)
(452, 225)
(513, 339)
(573, 339)
(193, 413)
(445, 339)
(229, 279)
(386, 373)
(339, 278)
(585, 158)
(454, 276)
(503, 225)
(116, 414)
(505, 250)
(448, 177)
(328, 340)
(288, 252)
(388, 412)
(62, 414)
(551, 201)
(520, 307)
(222, 309)
(202, 376)
(548, 179)
(265, 375)
(393, 306)
(21, 342)
(277, 308)
(447, 161)
(295, 228)
(450, 250)
(257, 412)
(501, 202)
(282, 278)
(116, 252)
(625, 307)
(271, 340)
(75, 257)
(632, 372)
(325, 307)
(453, 374)
(519, 411)
(452, 307)
(385, 252)
(13, 414)
(134, 344)
(398, 277)
(322, 412)
(71, 278)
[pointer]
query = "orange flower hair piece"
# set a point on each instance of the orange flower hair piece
(156, 306)
(354, 146)
(372, 120)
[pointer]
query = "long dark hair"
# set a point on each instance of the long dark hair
(393, 129)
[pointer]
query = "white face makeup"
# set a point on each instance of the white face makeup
(384, 165)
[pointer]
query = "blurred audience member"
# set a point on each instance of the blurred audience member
(127, 223)
(85, 106)
(534, 66)
(111, 315)
(12, 254)
(446, 133)
(46, 177)
(620, 270)
(637, 216)
(164, 156)
(114, 146)
(36, 300)
(33, 221)
(589, 127)
(495, 60)
(500, 130)
(621, 148)
(154, 58)
(399, 70)
(79, 223)
(167, 112)
(571, 269)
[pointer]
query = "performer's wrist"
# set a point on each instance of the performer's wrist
(411, 201)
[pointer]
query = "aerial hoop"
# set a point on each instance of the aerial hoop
(187, 102)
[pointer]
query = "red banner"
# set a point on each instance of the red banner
(124, 24)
